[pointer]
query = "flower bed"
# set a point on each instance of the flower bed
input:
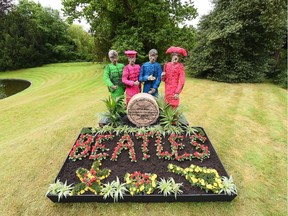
(140, 161)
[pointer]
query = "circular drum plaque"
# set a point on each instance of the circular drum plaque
(142, 109)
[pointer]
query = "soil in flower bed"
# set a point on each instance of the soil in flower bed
(153, 165)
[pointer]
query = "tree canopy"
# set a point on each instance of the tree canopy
(134, 24)
(236, 41)
(32, 36)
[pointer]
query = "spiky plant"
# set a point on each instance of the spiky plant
(119, 189)
(115, 110)
(125, 129)
(228, 186)
(190, 130)
(141, 130)
(107, 190)
(60, 189)
(105, 129)
(168, 115)
(164, 187)
(175, 187)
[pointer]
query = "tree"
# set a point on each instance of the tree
(237, 39)
(84, 43)
(32, 36)
(133, 24)
(5, 7)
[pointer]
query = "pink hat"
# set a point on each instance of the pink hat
(130, 53)
(174, 49)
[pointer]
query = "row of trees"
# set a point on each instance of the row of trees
(32, 36)
(239, 41)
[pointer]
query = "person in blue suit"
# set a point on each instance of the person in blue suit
(150, 74)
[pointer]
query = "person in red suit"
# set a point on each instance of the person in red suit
(130, 76)
(174, 76)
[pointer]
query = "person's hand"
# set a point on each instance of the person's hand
(152, 90)
(136, 83)
(151, 77)
(176, 96)
(114, 87)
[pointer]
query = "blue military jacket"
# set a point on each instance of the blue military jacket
(146, 70)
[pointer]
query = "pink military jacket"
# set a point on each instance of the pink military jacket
(174, 82)
(131, 74)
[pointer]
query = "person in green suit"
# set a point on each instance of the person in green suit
(113, 75)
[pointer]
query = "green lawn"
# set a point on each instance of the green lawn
(247, 124)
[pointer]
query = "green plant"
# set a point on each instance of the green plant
(60, 189)
(105, 129)
(119, 189)
(114, 189)
(164, 187)
(228, 186)
(176, 187)
(169, 117)
(125, 129)
(169, 186)
(107, 190)
(115, 110)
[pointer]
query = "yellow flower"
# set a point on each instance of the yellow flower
(142, 188)
(153, 184)
(209, 186)
(153, 177)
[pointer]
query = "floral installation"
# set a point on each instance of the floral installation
(202, 177)
(144, 145)
(138, 182)
(90, 179)
(175, 146)
(205, 152)
(102, 147)
(159, 148)
(124, 143)
(81, 147)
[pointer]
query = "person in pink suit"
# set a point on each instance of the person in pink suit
(174, 76)
(130, 76)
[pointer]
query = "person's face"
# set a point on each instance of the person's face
(131, 60)
(174, 58)
(113, 59)
(152, 58)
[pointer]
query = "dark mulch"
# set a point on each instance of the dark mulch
(152, 165)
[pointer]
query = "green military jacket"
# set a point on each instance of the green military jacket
(113, 76)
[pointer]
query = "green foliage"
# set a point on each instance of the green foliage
(138, 24)
(228, 186)
(169, 186)
(60, 189)
(32, 35)
(169, 117)
(115, 109)
(114, 189)
(279, 75)
(236, 39)
(84, 43)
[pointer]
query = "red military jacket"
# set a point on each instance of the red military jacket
(174, 82)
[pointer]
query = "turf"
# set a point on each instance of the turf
(247, 124)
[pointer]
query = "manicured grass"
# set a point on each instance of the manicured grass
(247, 124)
